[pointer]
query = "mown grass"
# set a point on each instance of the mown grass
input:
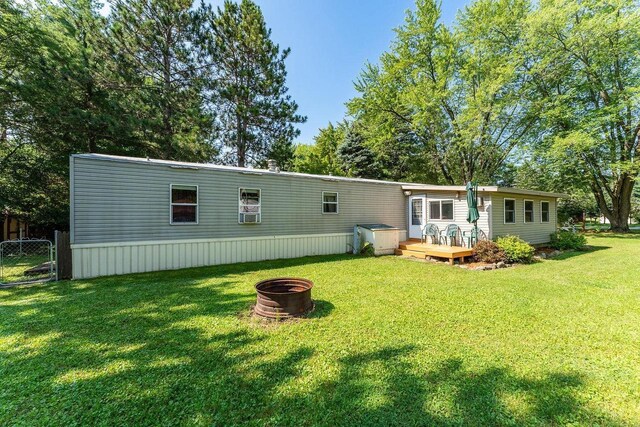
(392, 342)
(13, 268)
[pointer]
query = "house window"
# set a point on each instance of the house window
(184, 204)
(509, 211)
(329, 202)
(434, 210)
(528, 211)
(544, 211)
(441, 210)
(446, 208)
(249, 206)
(416, 212)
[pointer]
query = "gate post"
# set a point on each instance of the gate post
(63, 255)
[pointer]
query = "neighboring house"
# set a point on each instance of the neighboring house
(134, 215)
(13, 228)
(603, 220)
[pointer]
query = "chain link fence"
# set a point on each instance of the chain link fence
(26, 261)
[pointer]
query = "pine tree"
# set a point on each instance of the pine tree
(256, 116)
(356, 158)
(156, 54)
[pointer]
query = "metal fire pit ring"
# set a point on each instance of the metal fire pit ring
(283, 298)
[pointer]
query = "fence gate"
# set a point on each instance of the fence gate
(26, 261)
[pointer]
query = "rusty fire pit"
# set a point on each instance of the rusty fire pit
(284, 298)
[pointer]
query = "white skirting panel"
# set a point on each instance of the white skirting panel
(106, 259)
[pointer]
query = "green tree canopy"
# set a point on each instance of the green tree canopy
(456, 93)
(322, 157)
(586, 69)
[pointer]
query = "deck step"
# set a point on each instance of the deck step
(417, 248)
(434, 249)
(406, 252)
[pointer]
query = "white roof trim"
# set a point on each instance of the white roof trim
(483, 189)
(434, 187)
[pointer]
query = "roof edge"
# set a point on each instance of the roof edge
(484, 189)
(404, 185)
(210, 166)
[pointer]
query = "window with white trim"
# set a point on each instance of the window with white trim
(441, 210)
(249, 206)
(184, 204)
(329, 202)
(416, 211)
(509, 211)
(528, 211)
(544, 211)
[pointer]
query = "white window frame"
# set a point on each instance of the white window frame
(548, 212)
(337, 203)
(453, 210)
(533, 211)
(240, 205)
(424, 210)
(504, 211)
(171, 204)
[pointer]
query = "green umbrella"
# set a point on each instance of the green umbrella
(472, 204)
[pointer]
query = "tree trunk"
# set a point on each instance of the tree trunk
(167, 110)
(618, 213)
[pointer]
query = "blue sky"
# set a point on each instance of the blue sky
(330, 41)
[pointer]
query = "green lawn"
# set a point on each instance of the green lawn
(392, 342)
(13, 268)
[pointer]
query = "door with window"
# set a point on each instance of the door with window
(417, 215)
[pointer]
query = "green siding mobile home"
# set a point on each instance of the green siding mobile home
(134, 215)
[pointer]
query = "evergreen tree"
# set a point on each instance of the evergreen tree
(356, 159)
(155, 54)
(256, 116)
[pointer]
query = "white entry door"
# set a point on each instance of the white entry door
(417, 215)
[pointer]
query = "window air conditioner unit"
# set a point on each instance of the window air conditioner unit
(246, 218)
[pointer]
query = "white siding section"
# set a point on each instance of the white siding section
(460, 210)
(105, 259)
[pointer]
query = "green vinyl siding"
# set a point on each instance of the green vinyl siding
(124, 201)
(534, 232)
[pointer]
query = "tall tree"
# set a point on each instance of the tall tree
(356, 159)
(586, 68)
(156, 54)
(321, 157)
(248, 88)
(457, 92)
(53, 103)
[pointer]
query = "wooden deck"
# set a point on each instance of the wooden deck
(423, 250)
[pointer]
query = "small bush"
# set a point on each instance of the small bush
(564, 240)
(367, 249)
(516, 249)
(488, 251)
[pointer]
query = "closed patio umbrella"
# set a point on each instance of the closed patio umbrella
(472, 203)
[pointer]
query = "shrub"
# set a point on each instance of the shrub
(564, 240)
(516, 249)
(367, 249)
(488, 251)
